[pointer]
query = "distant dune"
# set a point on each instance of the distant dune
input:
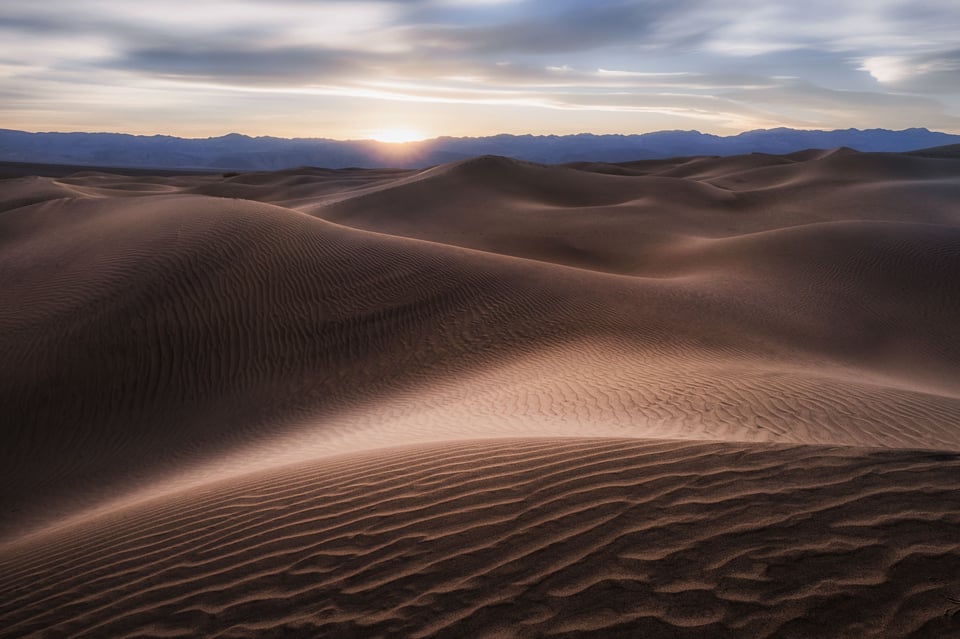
(698, 397)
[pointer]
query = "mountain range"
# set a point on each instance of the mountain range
(244, 153)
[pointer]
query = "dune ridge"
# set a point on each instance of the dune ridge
(178, 349)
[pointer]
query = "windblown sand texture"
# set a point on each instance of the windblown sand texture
(708, 397)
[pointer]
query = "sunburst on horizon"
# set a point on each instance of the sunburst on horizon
(398, 135)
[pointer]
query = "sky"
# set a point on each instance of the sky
(404, 69)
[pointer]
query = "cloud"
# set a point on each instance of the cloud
(266, 66)
(887, 68)
(806, 104)
(742, 63)
(937, 72)
(559, 27)
(122, 23)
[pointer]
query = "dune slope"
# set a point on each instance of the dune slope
(525, 538)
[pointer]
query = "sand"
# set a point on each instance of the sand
(703, 397)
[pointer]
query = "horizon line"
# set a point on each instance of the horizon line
(474, 137)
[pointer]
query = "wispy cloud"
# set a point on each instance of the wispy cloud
(582, 65)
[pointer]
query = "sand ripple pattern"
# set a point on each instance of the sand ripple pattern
(518, 538)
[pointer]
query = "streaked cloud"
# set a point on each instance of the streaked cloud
(935, 73)
(333, 68)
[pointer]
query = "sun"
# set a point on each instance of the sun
(397, 135)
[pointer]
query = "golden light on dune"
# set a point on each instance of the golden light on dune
(397, 135)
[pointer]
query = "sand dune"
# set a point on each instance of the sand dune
(695, 397)
(527, 537)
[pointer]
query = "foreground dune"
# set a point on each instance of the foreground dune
(699, 397)
(530, 537)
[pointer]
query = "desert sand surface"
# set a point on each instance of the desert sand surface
(701, 397)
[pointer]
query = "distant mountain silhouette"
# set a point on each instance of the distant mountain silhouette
(243, 153)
